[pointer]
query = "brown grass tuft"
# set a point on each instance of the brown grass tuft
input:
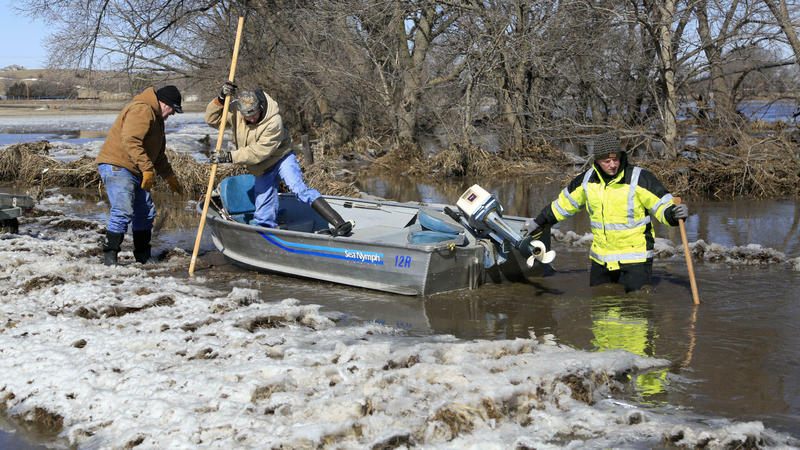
(580, 391)
(265, 322)
(41, 422)
(457, 418)
(42, 282)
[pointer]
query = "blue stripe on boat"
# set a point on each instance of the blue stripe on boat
(317, 250)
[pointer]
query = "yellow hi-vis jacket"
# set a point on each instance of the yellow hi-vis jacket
(619, 210)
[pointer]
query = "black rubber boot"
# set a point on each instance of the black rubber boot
(111, 247)
(340, 226)
(141, 246)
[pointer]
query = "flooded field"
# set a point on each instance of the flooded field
(732, 357)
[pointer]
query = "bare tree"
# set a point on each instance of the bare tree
(785, 19)
(142, 36)
(528, 71)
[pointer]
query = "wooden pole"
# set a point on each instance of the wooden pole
(219, 146)
(692, 281)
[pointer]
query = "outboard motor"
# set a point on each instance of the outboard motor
(483, 214)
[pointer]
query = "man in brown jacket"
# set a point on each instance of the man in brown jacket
(133, 152)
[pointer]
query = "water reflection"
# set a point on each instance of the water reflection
(627, 327)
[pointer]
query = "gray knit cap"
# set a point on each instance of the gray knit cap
(605, 144)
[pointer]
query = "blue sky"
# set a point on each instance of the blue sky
(22, 40)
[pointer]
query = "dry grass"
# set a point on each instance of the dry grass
(460, 160)
(29, 164)
(742, 167)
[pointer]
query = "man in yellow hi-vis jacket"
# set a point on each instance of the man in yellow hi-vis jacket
(620, 200)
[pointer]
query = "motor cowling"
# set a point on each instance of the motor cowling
(483, 214)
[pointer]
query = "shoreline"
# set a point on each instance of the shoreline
(76, 107)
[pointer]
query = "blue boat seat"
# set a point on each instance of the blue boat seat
(435, 226)
(238, 197)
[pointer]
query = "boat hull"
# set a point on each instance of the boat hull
(378, 255)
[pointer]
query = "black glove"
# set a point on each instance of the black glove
(680, 211)
(532, 229)
(220, 157)
(228, 89)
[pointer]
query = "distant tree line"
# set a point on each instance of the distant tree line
(40, 89)
(529, 71)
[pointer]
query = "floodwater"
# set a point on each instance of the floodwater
(733, 356)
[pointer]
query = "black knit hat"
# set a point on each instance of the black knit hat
(605, 144)
(170, 95)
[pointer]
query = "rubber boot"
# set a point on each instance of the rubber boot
(111, 247)
(340, 226)
(141, 246)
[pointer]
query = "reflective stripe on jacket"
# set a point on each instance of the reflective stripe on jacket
(259, 146)
(619, 212)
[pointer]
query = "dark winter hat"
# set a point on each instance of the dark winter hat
(605, 144)
(248, 103)
(170, 95)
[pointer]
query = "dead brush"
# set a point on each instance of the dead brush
(405, 156)
(741, 166)
(364, 146)
(464, 160)
(29, 165)
(321, 177)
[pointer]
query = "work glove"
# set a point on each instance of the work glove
(532, 229)
(147, 180)
(220, 157)
(228, 89)
(175, 185)
(680, 211)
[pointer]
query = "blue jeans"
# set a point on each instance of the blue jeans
(129, 202)
(266, 189)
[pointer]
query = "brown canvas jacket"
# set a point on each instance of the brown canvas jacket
(136, 140)
(259, 146)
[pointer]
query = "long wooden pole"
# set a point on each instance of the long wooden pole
(692, 281)
(219, 146)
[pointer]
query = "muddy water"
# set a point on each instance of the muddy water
(734, 356)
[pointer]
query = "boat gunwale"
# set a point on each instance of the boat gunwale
(424, 247)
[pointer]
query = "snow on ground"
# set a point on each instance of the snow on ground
(137, 355)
